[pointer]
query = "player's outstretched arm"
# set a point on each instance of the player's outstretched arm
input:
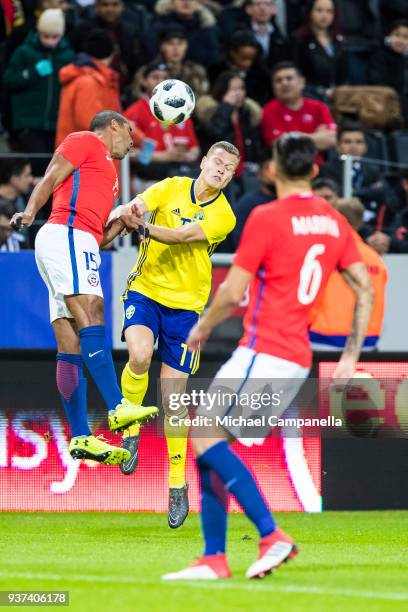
(191, 232)
(358, 278)
(227, 298)
(57, 171)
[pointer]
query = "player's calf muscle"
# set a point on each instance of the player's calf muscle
(87, 310)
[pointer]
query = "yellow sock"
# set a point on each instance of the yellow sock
(177, 449)
(134, 387)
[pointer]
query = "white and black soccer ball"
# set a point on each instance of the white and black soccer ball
(172, 102)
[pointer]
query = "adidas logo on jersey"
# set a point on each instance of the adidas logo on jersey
(176, 211)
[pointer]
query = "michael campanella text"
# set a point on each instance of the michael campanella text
(260, 421)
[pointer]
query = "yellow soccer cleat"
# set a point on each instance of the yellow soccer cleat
(126, 414)
(97, 449)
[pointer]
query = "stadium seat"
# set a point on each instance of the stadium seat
(398, 143)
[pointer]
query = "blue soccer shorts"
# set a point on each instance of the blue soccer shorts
(170, 326)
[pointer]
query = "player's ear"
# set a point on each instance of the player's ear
(272, 170)
(202, 163)
(315, 171)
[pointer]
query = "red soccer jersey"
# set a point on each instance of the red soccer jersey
(278, 119)
(165, 137)
(85, 199)
(292, 246)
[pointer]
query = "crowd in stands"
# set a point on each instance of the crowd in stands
(259, 68)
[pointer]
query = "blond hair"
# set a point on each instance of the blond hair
(352, 209)
(226, 146)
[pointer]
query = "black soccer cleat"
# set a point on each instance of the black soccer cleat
(178, 506)
(131, 443)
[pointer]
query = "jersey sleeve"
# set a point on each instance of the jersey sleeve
(253, 244)
(326, 118)
(217, 225)
(158, 194)
(350, 253)
(76, 148)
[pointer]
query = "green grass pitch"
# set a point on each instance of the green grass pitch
(349, 561)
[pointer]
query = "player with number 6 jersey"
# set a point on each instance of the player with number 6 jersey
(287, 252)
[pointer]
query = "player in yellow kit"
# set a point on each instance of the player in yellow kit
(167, 290)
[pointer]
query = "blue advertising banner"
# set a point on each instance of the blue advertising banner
(24, 312)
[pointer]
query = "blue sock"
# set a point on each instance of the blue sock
(239, 481)
(71, 384)
(98, 359)
(214, 503)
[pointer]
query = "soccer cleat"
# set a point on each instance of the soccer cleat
(131, 443)
(126, 414)
(213, 567)
(178, 506)
(97, 449)
(274, 549)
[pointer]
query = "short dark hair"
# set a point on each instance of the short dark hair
(295, 154)
(242, 38)
(350, 126)
(103, 120)
(12, 166)
(400, 23)
(221, 84)
(286, 65)
(321, 183)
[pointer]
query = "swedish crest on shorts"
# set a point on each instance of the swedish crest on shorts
(129, 312)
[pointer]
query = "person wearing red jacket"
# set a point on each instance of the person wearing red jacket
(88, 87)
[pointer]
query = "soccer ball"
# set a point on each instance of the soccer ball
(172, 102)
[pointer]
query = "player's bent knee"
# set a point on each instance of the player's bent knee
(139, 363)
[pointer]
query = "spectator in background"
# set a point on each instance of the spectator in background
(228, 114)
(16, 182)
(361, 28)
(291, 112)
(129, 29)
(164, 149)
(88, 86)
(394, 62)
(319, 50)
(198, 23)
(367, 182)
(10, 241)
(393, 10)
(258, 16)
(331, 316)
(32, 79)
(29, 19)
(243, 54)
(264, 192)
(173, 50)
(394, 237)
(327, 189)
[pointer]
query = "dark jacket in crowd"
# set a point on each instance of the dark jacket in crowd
(321, 69)
(394, 73)
(201, 29)
(215, 124)
(257, 79)
(361, 24)
(372, 189)
(243, 208)
(35, 99)
(234, 18)
(132, 37)
(399, 232)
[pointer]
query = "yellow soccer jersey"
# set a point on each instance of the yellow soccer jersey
(179, 275)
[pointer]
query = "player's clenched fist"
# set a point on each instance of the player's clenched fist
(19, 220)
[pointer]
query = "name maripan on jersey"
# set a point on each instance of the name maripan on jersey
(315, 224)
